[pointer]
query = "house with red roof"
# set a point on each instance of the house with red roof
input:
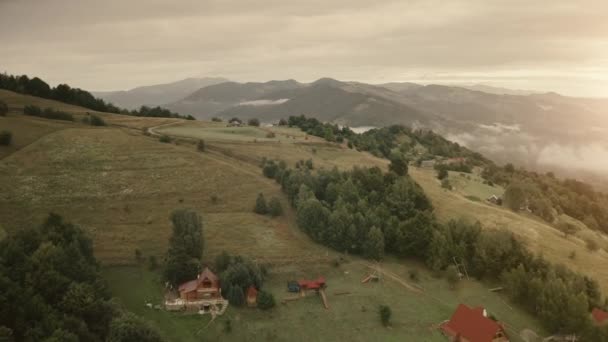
(205, 286)
(471, 325)
(600, 317)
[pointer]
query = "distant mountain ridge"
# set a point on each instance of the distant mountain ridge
(159, 94)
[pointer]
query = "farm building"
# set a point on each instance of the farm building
(494, 200)
(205, 286)
(252, 296)
(202, 294)
(235, 123)
(428, 163)
(312, 284)
(471, 325)
(600, 317)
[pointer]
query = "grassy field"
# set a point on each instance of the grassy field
(539, 236)
(352, 317)
(121, 187)
(472, 186)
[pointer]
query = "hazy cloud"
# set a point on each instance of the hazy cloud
(551, 45)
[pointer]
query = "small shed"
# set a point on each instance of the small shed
(600, 317)
(494, 200)
(252, 296)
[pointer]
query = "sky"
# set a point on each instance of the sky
(544, 45)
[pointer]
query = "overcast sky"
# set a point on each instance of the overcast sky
(119, 44)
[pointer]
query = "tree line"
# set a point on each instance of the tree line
(548, 197)
(367, 212)
(51, 290)
(64, 93)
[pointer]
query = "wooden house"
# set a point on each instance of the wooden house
(252, 296)
(471, 325)
(205, 286)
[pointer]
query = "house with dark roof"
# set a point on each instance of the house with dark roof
(205, 286)
(471, 325)
(600, 317)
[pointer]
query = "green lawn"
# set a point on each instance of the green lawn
(351, 317)
(471, 185)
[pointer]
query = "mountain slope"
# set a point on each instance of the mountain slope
(156, 95)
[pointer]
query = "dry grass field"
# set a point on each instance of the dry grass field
(538, 235)
(121, 186)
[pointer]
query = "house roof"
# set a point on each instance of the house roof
(207, 274)
(252, 292)
(471, 324)
(599, 316)
(193, 284)
(188, 286)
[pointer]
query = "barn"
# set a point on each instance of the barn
(600, 317)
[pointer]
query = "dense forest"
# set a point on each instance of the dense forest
(415, 145)
(548, 197)
(64, 93)
(370, 213)
(51, 290)
(543, 194)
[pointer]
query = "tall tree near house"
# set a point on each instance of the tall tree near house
(185, 246)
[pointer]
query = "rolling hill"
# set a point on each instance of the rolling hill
(537, 131)
(156, 95)
(120, 185)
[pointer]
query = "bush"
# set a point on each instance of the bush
(216, 119)
(228, 326)
(452, 275)
(97, 121)
(260, 205)
(274, 207)
(592, 245)
(6, 138)
(214, 199)
(201, 146)
(270, 135)
(152, 263)
(442, 173)
(265, 300)
(47, 113)
(164, 139)
(385, 314)
(253, 122)
(3, 109)
(445, 183)
(414, 274)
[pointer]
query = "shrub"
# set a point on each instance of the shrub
(3, 109)
(164, 139)
(32, 110)
(216, 119)
(6, 138)
(592, 245)
(309, 164)
(414, 274)
(228, 326)
(152, 263)
(260, 205)
(265, 300)
(385, 314)
(97, 121)
(282, 122)
(214, 199)
(445, 183)
(253, 122)
(572, 255)
(270, 135)
(274, 207)
(201, 146)
(442, 173)
(48, 113)
(452, 275)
